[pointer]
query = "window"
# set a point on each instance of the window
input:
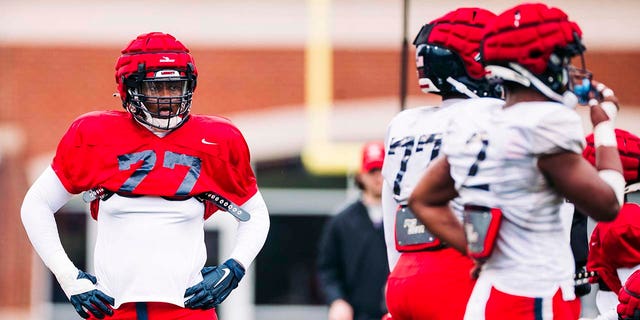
(286, 266)
(290, 173)
(212, 240)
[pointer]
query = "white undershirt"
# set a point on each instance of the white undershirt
(147, 248)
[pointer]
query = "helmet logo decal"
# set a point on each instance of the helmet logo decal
(167, 59)
(167, 74)
(516, 21)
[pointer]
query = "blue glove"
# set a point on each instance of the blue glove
(95, 301)
(216, 286)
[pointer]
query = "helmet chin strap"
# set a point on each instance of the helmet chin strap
(427, 86)
(632, 188)
(461, 87)
(520, 75)
(156, 125)
(170, 123)
(158, 132)
(569, 99)
(161, 124)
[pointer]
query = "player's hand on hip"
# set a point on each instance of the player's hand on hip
(216, 286)
(604, 104)
(85, 297)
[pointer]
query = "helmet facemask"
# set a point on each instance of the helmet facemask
(162, 99)
(562, 76)
(161, 102)
(580, 81)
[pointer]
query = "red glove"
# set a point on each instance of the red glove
(629, 297)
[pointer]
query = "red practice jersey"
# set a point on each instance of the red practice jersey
(110, 149)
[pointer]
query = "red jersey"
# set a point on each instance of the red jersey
(110, 149)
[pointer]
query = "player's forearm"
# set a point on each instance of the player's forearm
(609, 169)
(252, 234)
(43, 199)
(442, 223)
(430, 202)
(603, 114)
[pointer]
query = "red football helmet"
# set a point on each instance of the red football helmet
(150, 63)
(447, 54)
(629, 149)
(532, 44)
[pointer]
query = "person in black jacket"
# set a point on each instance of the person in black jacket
(352, 260)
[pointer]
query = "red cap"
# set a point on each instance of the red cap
(372, 156)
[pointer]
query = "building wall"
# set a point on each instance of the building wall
(15, 269)
(42, 96)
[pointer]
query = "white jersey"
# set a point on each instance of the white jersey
(413, 140)
(147, 248)
(137, 244)
(493, 156)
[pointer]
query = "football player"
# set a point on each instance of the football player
(614, 248)
(512, 165)
(153, 174)
(430, 280)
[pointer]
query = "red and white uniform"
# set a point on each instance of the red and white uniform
(422, 284)
(531, 268)
(111, 150)
(148, 248)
